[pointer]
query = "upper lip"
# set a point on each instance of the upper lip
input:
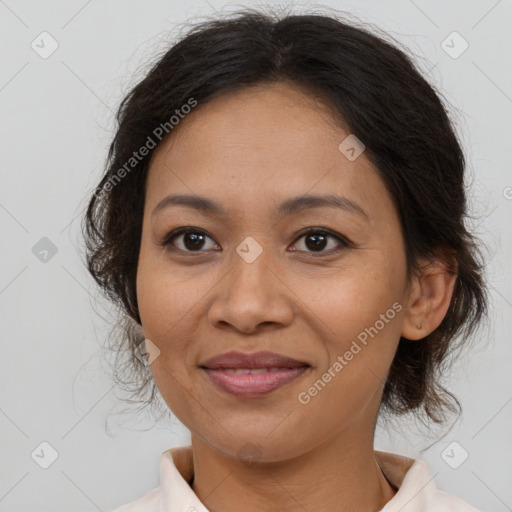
(252, 361)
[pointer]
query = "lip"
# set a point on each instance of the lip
(252, 361)
(280, 370)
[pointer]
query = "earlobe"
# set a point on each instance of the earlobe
(429, 298)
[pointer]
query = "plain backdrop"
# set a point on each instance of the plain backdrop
(57, 119)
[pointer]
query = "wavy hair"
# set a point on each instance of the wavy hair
(378, 92)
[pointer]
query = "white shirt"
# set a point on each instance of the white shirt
(417, 490)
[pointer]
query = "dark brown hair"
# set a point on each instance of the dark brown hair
(384, 100)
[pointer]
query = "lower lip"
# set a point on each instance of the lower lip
(253, 385)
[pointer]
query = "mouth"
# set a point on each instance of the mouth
(252, 375)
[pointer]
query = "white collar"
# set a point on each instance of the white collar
(417, 490)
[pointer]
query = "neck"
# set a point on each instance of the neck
(338, 475)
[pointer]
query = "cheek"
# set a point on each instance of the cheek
(163, 312)
(353, 299)
(163, 308)
(363, 317)
(163, 291)
(363, 313)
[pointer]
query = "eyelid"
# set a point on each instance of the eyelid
(167, 240)
(344, 242)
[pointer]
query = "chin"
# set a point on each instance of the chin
(256, 448)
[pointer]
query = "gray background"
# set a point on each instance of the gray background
(56, 124)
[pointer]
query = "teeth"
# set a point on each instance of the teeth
(244, 371)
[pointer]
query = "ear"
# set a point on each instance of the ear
(429, 298)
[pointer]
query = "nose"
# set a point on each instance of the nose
(252, 296)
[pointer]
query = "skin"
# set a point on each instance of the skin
(249, 151)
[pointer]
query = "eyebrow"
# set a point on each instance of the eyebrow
(287, 207)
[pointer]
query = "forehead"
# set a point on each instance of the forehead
(261, 144)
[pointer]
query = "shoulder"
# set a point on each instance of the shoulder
(416, 487)
(435, 499)
(443, 501)
(176, 470)
(148, 503)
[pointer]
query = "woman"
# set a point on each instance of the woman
(282, 216)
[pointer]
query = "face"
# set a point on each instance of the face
(247, 278)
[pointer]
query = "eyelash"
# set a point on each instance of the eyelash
(344, 242)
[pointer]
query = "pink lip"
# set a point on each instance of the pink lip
(253, 360)
(281, 371)
(253, 385)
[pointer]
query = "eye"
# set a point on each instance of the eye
(316, 239)
(192, 241)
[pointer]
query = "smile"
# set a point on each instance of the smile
(253, 382)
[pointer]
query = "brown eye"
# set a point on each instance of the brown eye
(320, 241)
(189, 239)
(317, 240)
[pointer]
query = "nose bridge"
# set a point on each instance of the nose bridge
(253, 293)
(252, 262)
